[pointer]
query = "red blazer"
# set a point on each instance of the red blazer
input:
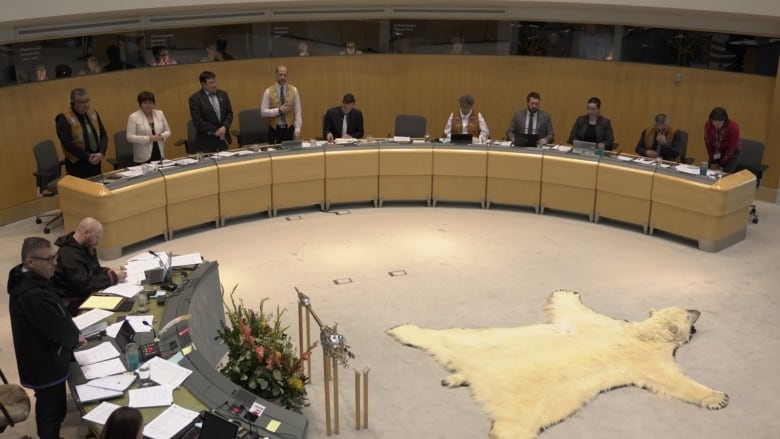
(726, 143)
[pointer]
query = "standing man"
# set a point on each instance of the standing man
(659, 140)
(531, 127)
(212, 114)
(467, 121)
(344, 121)
(44, 334)
(79, 273)
(281, 105)
(82, 135)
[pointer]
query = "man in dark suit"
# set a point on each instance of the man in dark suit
(212, 115)
(344, 121)
(531, 122)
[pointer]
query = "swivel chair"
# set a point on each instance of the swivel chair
(684, 148)
(124, 151)
(49, 172)
(253, 128)
(750, 158)
(410, 125)
(189, 142)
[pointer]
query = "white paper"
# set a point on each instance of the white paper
(167, 373)
(89, 393)
(245, 152)
(118, 383)
(131, 173)
(137, 322)
(626, 158)
(189, 259)
(687, 169)
(113, 329)
(124, 289)
(505, 143)
(225, 154)
(186, 161)
(170, 422)
(155, 396)
(562, 148)
(402, 139)
(103, 351)
(100, 414)
(103, 369)
(91, 317)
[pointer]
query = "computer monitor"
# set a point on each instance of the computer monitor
(581, 147)
(217, 427)
(125, 335)
(526, 140)
(461, 139)
(162, 275)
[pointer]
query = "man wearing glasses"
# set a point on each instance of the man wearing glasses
(43, 332)
(79, 273)
(82, 135)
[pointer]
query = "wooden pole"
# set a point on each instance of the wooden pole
(308, 342)
(335, 396)
(300, 329)
(365, 397)
(326, 361)
(357, 400)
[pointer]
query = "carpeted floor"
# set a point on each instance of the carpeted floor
(468, 267)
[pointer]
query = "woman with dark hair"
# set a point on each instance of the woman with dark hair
(124, 423)
(147, 130)
(593, 127)
(721, 137)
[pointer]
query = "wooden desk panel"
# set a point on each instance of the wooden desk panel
(459, 174)
(514, 178)
(623, 193)
(244, 187)
(569, 184)
(405, 174)
(351, 175)
(193, 197)
(298, 179)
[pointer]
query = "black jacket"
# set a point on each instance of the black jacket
(332, 121)
(44, 333)
(79, 273)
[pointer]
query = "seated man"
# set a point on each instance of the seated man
(660, 140)
(467, 121)
(344, 121)
(79, 273)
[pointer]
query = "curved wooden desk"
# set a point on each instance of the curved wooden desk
(712, 212)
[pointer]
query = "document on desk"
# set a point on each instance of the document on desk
(225, 154)
(124, 289)
(167, 373)
(562, 148)
(185, 161)
(118, 383)
(188, 259)
(89, 393)
(102, 352)
(100, 414)
(170, 422)
(103, 302)
(625, 158)
(155, 396)
(91, 317)
(103, 369)
(131, 173)
(137, 322)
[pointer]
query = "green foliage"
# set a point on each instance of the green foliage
(261, 356)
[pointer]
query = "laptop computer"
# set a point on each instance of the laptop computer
(125, 335)
(461, 139)
(581, 147)
(213, 427)
(526, 141)
(292, 144)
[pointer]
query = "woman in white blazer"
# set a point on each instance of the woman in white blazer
(147, 130)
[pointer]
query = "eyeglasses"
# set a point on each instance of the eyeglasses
(51, 259)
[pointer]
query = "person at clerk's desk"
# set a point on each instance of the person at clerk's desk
(147, 130)
(79, 273)
(593, 127)
(467, 121)
(721, 137)
(531, 122)
(660, 140)
(212, 114)
(344, 121)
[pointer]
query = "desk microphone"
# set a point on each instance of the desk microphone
(154, 333)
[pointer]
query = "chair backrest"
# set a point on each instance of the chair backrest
(48, 165)
(410, 125)
(683, 146)
(123, 150)
(191, 134)
(253, 128)
(751, 156)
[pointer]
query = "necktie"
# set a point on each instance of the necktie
(344, 127)
(215, 104)
(282, 100)
(531, 129)
(92, 144)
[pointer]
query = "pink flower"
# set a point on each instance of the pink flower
(259, 352)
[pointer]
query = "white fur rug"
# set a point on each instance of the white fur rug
(532, 377)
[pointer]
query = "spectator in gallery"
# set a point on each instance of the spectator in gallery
(115, 61)
(303, 49)
(222, 50)
(38, 73)
(350, 48)
(91, 67)
(458, 47)
(63, 71)
(211, 54)
(555, 46)
(161, 57)
(595, 42)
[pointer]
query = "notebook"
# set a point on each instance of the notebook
(110, 303)
(526, 140)
(462, 139)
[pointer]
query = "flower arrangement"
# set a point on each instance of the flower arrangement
(261, 357)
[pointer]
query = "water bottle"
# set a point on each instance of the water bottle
(132, 356)
(703, 168)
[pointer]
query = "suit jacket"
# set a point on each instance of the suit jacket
(206, 122)
(139, 130)
(544, 126)
(332, 121)
(603, 131)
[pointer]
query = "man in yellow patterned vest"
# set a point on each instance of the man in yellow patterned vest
(281, 106)
(467, 121)
(660, 140)
(82, 135)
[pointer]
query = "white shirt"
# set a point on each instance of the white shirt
(267, 111)
(484, 132)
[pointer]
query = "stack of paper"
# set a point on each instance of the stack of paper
(155, 396)
(103, 369)
(89, 318)
(170, 422)
(188, 259)
(124, 289)
(103, 351)
(104, 388)
(166, 373)
(100, 414)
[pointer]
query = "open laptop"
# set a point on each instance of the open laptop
(292, 144)
(461, 139)
(526, 141)
(581, 147)
(213, 427)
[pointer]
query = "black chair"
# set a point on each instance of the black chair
(123, 151)
(684, 148)
(253, 128)
(46, 177)
(189, 142)
(410, 125)
(750, 158)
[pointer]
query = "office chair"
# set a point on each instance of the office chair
(684, 148)
(750, 158)
(410, 125)
(189, 142)
(46, 177)
(123, 151)
(14, 404)
(253, 128)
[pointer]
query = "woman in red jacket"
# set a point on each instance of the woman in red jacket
(721, 137)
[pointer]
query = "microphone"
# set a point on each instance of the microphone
(154, 333)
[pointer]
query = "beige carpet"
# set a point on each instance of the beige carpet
(468, 267)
